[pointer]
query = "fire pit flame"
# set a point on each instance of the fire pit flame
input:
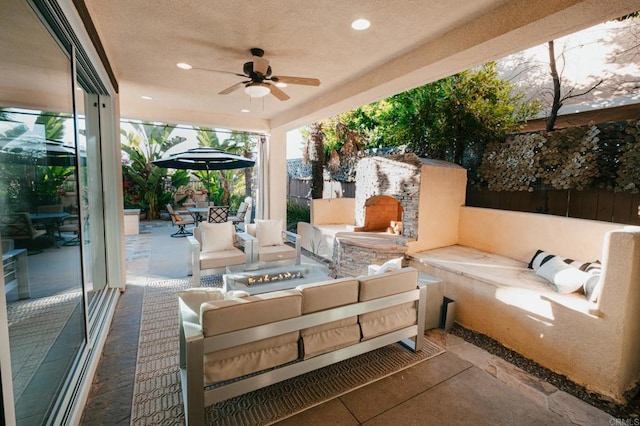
(270, 278)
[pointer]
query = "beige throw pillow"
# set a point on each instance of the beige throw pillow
(269, 232)
(216, 236)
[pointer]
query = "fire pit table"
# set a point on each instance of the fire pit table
(273, 279)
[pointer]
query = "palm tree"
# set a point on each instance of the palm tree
(147, 142)
(238, 143)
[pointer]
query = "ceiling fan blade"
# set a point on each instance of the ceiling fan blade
(275, 91)
(220, 71)
(232, 88)
(296, 80)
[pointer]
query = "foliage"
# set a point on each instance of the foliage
(509, 165)
(297, 213)
(225, 186)
(568, 158)
(53, 124)
(445, 119)
(563, 159)
(628, 176)
(144, 183)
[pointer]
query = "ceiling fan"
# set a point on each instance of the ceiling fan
(261, 82)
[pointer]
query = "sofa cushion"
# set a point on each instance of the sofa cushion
(388, 283)
(328, 294)
(249, 358)
(386, 320)
(224, 316)
(329, 337)
(336, 334)
(382, 321)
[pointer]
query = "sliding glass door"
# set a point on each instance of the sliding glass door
(51, 213)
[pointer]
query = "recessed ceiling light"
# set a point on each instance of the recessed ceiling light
(146, 98)
(244, 110)
(184, 65)
(281, 84)
(360, 24)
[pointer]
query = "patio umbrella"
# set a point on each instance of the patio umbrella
(37, 151)
(204, 159)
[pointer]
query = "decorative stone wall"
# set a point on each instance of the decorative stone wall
(353, 252)
(396, 176)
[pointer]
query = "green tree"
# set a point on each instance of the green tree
(144, 182)
(445, 118)
(221, 190)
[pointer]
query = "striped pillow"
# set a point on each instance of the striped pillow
(592, 268)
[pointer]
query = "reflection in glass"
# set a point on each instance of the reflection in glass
(38, 168)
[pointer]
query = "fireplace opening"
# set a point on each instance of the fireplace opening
(381, 213)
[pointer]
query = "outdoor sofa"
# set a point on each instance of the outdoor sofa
(485, 263)
(232, 345)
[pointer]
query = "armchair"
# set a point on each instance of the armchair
(214, 246)
(270, 245)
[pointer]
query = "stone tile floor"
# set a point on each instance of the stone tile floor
(466, 385)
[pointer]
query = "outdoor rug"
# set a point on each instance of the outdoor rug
(34, 326)
(157, 396)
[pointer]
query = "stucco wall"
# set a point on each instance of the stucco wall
(518, 235)
(442, 193)
(333, 211)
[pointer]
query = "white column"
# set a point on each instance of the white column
(277, 194)
(112, 187)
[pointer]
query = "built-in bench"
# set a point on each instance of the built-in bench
(486, 271)
(233, 345)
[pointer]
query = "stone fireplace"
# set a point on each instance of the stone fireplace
(388, 189)
(392, 190)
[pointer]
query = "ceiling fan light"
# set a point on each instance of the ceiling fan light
(257, 90)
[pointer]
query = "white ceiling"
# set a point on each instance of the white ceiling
(410, 43)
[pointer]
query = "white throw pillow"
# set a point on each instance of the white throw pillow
(390, 265)
(216, 236)
(566, 278)
(269, 232)
(194, 297)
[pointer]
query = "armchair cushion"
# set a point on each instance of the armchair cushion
(217, 237)
(269, 232)
(275, 253)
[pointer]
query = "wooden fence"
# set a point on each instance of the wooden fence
(597, 204)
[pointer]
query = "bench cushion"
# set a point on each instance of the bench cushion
(379, 322)
(336, 334)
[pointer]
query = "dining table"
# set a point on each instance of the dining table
(51, 222)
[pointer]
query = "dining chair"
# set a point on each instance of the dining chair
(218, 214)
